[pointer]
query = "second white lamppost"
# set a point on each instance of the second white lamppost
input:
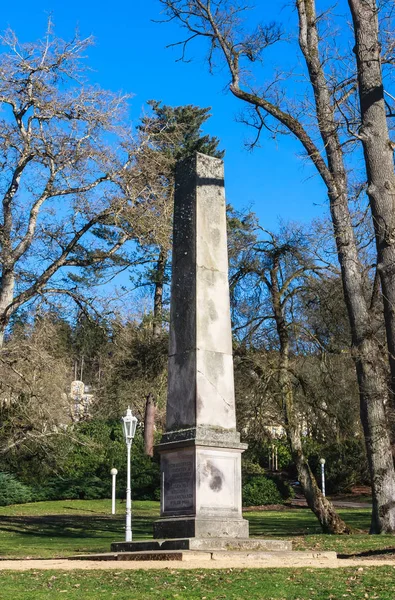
(114, 473)
(129, 429)
(322, 463)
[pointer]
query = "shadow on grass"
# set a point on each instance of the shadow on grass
(367, 553)
(77, 509)
(74, 526)
(282, 525)
(297, 522)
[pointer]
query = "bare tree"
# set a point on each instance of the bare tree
(281, 265)
(325, 134)
(66, 169)
(35, 378)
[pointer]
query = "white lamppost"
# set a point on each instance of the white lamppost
(322, 463)
(129, 429)
(114, 473)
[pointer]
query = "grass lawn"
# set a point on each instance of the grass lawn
(64, 528)
(51, 529)
(67, 527)
(233, 584)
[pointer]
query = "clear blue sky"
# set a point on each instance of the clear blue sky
(130, 55)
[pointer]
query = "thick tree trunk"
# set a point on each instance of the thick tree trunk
(149, 425)
(158, 294)
(6, 298)
(371, 379)
(366, 351)
(379, 159)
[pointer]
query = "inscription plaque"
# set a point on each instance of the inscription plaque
(178, 483)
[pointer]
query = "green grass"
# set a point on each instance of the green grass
(302, 528)
(67, 527)
(233, 584)
(64, 528)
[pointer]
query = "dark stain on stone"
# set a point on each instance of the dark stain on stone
(216, 477)
(199, 404)
(216, 236)
(215, 366)
(212, 311)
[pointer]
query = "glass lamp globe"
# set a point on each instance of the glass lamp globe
(129, 425)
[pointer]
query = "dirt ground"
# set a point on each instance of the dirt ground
(70, 565)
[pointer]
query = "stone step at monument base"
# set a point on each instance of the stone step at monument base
(204, 544)
(279, 558)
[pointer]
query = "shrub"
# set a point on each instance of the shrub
(260, 490)
(84, 488)
(249, 467)
(13, 491)
(283, 487)
(86, 468)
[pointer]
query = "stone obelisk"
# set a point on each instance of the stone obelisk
(201, 451)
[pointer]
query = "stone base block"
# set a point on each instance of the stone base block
(205, 545)
(150, 555)
(191, 527)
(225, 559)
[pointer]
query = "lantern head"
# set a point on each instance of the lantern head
(129, 425)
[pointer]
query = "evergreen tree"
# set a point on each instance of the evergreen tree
(169, 134)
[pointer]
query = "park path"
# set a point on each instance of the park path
(71, 565)
(301, 502)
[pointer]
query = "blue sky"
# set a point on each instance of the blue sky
(130, 55)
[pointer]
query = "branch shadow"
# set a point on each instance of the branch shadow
(74, 526)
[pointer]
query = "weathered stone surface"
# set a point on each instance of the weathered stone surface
(201, 449)
(140, 546)
(201, 528)
(205, 544)
(178, 482)
(278, 558)
(200, 389)
(201, 488)
(231, 545)
(202, 435)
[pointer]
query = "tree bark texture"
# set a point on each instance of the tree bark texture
(6, 296)
(149, 425)
(158, 294)
(378, 153)
(366, 351)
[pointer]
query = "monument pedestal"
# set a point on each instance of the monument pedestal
(201, 485)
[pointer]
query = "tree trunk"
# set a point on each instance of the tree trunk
(158, 294)
(6, 298)
(149, 425)
(378, 153)
(371, 378)
(322, 508)
(365, 348)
